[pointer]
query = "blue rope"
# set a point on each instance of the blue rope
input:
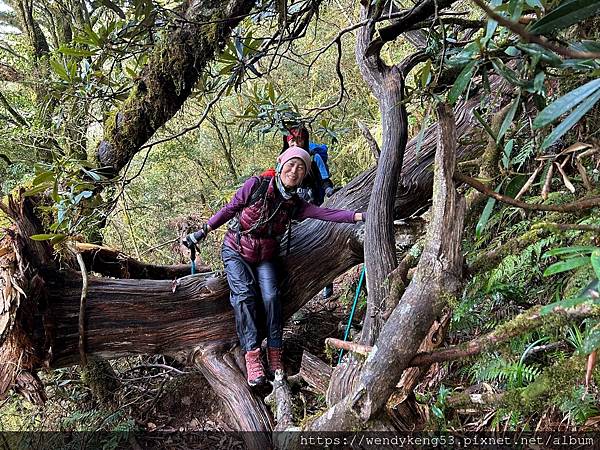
(360, 282)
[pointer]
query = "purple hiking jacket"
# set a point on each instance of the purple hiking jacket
(256, 247)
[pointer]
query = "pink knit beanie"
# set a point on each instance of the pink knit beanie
(294, 152)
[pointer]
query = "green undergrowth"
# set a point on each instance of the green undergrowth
(536, 379)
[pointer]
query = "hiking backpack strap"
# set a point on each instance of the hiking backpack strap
(260, 191)
(257, 193)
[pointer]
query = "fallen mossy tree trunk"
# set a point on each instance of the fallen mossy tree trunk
(40, 302)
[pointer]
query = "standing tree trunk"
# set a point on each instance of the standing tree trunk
(387, 85)
(436, 280)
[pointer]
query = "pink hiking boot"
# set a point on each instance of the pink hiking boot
(274, 355)
(254, 368)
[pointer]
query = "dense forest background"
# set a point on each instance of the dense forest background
(522, 77)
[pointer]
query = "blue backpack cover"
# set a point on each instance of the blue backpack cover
(318, 149)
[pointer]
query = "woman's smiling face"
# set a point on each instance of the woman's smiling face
(292, 173)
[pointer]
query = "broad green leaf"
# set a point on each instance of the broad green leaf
(226, 70)
(239, 48)
(484, 124)
(576, 249)
(37, 189)
(569, 264)
(58, 239)
(61, 212)
(461, 82)
(227, 57)
(43, 177)
(566, 14)
(592, 340)
(506, 73)
(43, 237)
(538, 82)
(84, 194)
(93, 175)
(71, 51)
(595, 259)
(426, 73)
(72, 67)
(515, 9)
(437, 412)
(54, 194)
(545, 55)
(421, 135)
(507, 151)
(94, 38)
(271, 92)
(510, 115)
(515, 185)
(59, 69)
(571, 120)
(512, 51)
(564, 304)
(465, 56)
(130, 72)
(565, 103)
(485, 215)
(491, 24)
(534, 3)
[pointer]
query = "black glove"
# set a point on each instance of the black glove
(329, 192)
(194, 238)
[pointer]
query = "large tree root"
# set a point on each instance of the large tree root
(246, 410)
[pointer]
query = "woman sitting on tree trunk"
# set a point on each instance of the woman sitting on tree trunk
(260, 212)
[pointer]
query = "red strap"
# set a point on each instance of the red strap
(270, 172)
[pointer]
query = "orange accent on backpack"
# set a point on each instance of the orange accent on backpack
(270, 172)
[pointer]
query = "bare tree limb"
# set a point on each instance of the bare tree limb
(587, 203)
(340, 75)
(84, 289)
(113, 263)
(13, 112)
(373, 145)
(6, 159)
(349, 346)
(523, 323)
(520, 30)
(418, 13)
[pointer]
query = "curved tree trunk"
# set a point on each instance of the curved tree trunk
(168, 78)
(387, 85)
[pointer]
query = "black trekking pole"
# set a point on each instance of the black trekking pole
(193, 258)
